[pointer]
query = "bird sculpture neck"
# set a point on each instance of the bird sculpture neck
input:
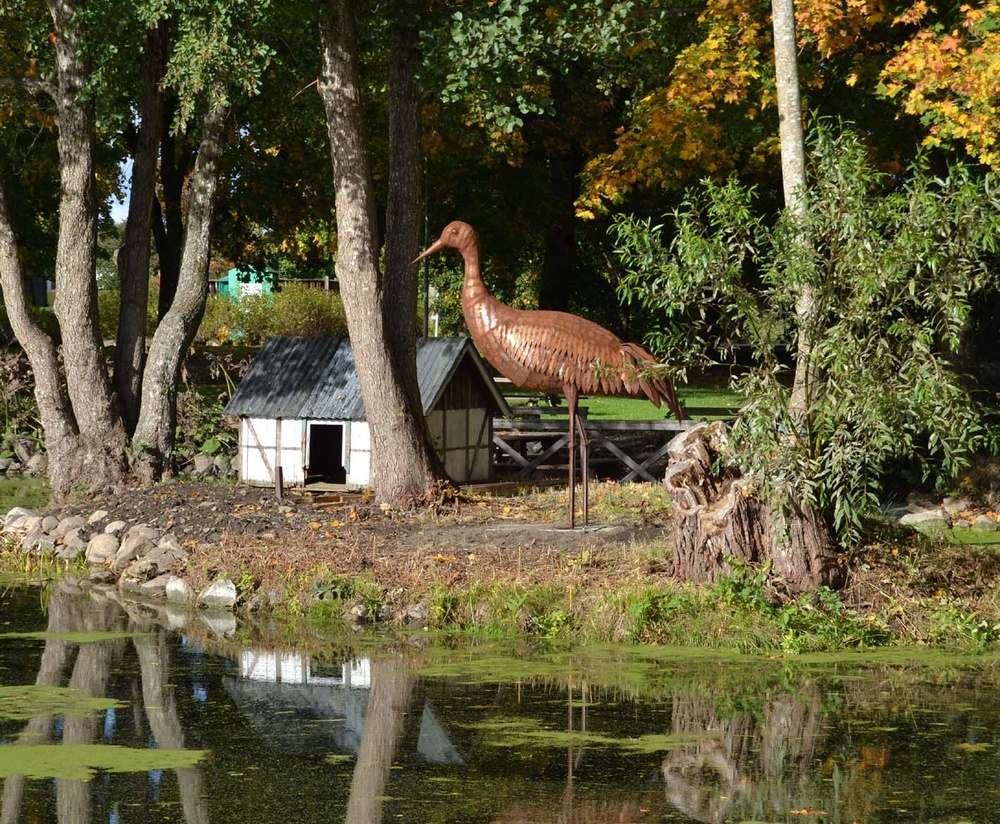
(478, 305)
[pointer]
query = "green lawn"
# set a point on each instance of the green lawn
(640, 409)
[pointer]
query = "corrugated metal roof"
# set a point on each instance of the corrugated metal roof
(315, 378)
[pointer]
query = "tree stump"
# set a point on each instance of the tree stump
(717, 516)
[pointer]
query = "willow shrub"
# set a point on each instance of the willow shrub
(294, 310)
(895, 264)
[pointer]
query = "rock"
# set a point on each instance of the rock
(116, 527)
(156, 586)
(985, 524)
(101, 575)
(179, 591)
(223, 465)
(37, 465)
(24, 448)
(204, 465)
(50, 523)
(920, 502)
(167, 557)
(26, 523)
(71, 552)
(141, 569)
(18, 512)
(357, 614)
(418, 614)
(955, 506)
(30, 539)
(5, 464)
(97, 515)
(927, 521)
(220, 594)
(101, 548)
(66, 524)
(75, 536)
(144, 531)
(75, 541)
(169, 541)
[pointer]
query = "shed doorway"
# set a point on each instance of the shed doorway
(326, 453)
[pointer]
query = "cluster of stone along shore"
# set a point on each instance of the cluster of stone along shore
(137, 557)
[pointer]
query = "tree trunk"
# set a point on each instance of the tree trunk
(101, 463)
(793, 178)
(153, 442)
(176, 157)
(61, 437)
(718, 516)
(133, 264)
(401, 469)
(402, 235)
(385, 714)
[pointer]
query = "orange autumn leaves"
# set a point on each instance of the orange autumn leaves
(948, 75)
(721, 88)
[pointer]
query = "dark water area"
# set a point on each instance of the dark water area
(119, 713)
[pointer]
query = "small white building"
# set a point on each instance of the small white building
(300, 408)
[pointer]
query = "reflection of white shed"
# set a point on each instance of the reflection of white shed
(300, 408)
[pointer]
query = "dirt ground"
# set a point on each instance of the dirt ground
(245, 531)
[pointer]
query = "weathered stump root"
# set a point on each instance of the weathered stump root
(717, 517)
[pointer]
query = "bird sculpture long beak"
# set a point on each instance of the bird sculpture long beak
(437, 246)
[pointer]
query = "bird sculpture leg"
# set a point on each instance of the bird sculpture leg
(584, 468)
(571, 398)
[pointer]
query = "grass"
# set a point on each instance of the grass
(640, 409)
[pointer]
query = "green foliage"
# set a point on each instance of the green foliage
(895, 265)
(295, 310)
(18, 407)
(109, 307)
(816, 621)
(201, 427)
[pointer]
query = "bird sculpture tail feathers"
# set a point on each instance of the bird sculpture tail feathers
(655, 388)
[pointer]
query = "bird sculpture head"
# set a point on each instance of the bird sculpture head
(456, 235)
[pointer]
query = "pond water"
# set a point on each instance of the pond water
(112, 713)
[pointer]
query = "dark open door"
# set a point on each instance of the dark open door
(326, 453)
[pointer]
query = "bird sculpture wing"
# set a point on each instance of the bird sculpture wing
(548, 351)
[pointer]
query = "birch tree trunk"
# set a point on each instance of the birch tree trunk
(403, 468)
(793, 179)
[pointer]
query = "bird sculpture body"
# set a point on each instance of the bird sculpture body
(551, 352)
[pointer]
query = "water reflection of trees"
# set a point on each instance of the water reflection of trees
(86, 667)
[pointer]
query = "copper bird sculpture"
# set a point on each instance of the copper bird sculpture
(551, 352)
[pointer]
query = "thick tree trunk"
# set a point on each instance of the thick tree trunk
(402, 235)
(153, 442)
(401, 469)
(102, 434)
(718, 516)
(133, 263)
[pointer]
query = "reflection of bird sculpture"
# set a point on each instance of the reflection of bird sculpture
(551, 352)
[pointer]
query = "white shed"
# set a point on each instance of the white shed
(300, 408)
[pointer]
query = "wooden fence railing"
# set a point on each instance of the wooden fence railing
(530, 442)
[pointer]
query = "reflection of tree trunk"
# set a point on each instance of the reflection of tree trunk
(40, 730)
(742, 764)
(717, 516)
(165, 722)
(388, 703)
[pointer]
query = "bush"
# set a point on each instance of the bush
(295, 310)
